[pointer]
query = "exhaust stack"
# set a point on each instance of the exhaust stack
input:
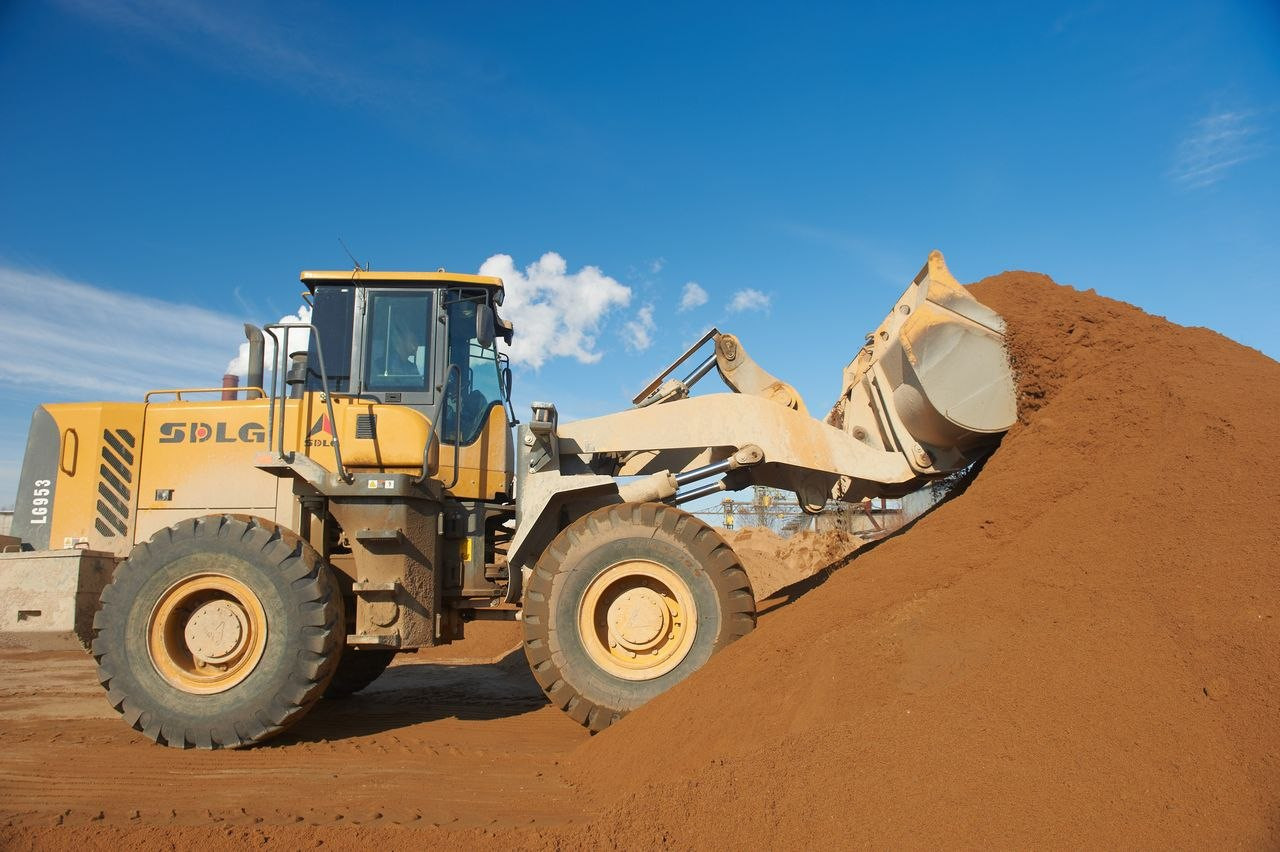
(256, 349)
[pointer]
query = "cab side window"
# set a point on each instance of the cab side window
(332, 317)
(397, 341)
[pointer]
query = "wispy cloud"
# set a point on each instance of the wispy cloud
(1213, 146)
(887, 265)
(749, 300)
(1076, 15)
(9, 468)
(556, 313)
(638, 332)
(68, 339)
(694, 296)
(239, 38)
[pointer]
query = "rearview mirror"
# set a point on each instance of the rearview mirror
(484, 325)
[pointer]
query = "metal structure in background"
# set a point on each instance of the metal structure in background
(780, 512)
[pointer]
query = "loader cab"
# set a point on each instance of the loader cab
(423, 340)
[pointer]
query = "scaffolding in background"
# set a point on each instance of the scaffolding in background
(779, 511)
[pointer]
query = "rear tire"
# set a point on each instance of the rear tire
(625, 603)
(219, 632)
(356, 670)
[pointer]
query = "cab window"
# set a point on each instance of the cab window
(397, 341)
(332, 319)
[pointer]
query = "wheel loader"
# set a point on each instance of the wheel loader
(284, 541)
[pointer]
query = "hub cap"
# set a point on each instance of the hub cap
(638, 620)
(206, 633)
(216, 631)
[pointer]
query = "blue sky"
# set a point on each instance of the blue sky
(167, 168)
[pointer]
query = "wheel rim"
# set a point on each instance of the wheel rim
(206, 633)
(638, 619)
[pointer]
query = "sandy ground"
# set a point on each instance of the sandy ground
(457, 738)
(429, 743)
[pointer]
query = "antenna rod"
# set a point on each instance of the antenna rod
(352, 256)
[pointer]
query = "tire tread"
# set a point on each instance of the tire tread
(733, 588)
(314, 598)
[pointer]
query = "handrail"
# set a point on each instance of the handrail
(454, 370)
(503, 361)
(655, 383)
(178, 392)
(277, 376)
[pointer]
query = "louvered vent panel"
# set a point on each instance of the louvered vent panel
(115, 487)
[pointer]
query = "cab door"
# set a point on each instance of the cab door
(474, 428)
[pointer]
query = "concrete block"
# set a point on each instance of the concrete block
(48, 598)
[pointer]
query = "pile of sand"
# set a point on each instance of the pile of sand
(1080, 649)
(773, 562)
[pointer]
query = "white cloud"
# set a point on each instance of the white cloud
(749, 300)
(1214, 145)
(639, 331)
(656, 265)
(556, 314)
(71, 340)
(693, 296)
(298, 340)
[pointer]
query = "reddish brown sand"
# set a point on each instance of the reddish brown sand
(485, 642)
(1081, 649)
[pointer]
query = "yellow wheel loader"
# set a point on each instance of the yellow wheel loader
(283, 544)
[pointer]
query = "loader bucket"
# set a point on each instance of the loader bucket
(934, 380)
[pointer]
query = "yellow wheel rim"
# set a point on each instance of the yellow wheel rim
(206, 633)
(638, 620)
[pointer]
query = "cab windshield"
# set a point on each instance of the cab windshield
(478, 371)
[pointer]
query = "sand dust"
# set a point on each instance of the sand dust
(773, 562)
(1078, 650)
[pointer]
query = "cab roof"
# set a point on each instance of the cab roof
(313, 278)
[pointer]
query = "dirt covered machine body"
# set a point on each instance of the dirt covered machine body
(102, 478)
(284, 543)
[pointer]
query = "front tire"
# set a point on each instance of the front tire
(625, 603)
(219, 632)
